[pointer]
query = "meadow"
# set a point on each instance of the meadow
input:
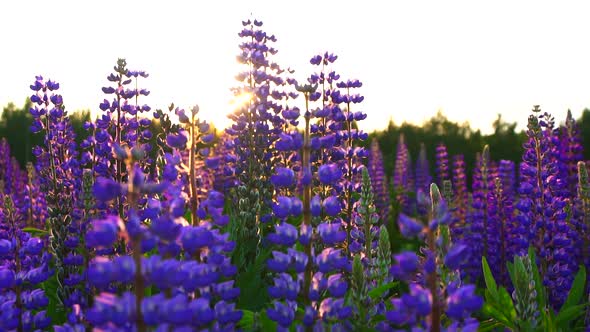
(286, 220)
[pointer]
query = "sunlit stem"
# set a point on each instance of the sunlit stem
(139, 284)
(541, 188)
(193, 180)
(485, 158)
(307, 200)
(348, 176)
(432, 278)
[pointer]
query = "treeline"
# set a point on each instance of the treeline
(15, 124)
(505, 142)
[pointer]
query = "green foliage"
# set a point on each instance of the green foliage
(54, 309)
(256, 321)
(498, 304)
(527, 308)
(381, 290)
(252, 283)
(36, 232)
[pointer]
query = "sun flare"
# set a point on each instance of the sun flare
(240, 100)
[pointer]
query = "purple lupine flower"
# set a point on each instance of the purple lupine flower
(258, 136)
(542, 204)
(423, 177)
(24, 265)
(402, 178)
(379, 181)
(462, 302)
(480, 226)
(571, 150)
(506, 242)
(60, 177)
(430, 295)
(442, 164)
(460, 202)
(507, 174)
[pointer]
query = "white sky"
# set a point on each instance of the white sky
(471, 59)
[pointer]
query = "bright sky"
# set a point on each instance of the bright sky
(470, 59)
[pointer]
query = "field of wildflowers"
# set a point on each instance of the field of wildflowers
(284, 221)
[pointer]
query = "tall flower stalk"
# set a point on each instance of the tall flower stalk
(254, 132)
(60, 173)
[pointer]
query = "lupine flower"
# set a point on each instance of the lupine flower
(570, 150)
(256, 127)
(61, 178)
(542, 204)
(23, 267)
(442, 164)
(402, 176)
(423, 177)
(430, 293)
(379, 181)
(460, 202)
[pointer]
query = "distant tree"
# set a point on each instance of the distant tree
(584, 125)
(78, 119)
(505, 142)
(15, 126)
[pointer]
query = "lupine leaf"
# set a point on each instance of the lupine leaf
(577, 291)
(54, 311)
(569, 314)
(489, 279)
(548, 320)
(506, 304)
(35, 231)
(497, 314)
(247, 321)
(377, 292)
(510, 267)
(266, 324)
(489, 325)
(253, 294)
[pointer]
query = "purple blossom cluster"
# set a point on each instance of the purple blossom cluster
(431, 293)
(24, 266)
(403, 179)
(379, 181)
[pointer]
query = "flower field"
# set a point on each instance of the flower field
(286, 220)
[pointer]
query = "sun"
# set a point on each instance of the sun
(240, 100)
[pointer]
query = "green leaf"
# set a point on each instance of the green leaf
(247, 321)
(497, 314)
(377, 292)
(569, 315)
(489, 325)
(489, 279)
(253, 292)
(577, 291)
(507, 305)
(35, 231)
(267, 324)
(54, 309)
(148, 291)
(377, 318)
(541, 299)
(548, 320)
(510, 267)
